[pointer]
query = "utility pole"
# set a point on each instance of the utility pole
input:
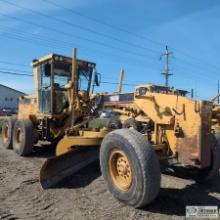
(166, 71)
(121, 81)
(74, 85)
(218, 90)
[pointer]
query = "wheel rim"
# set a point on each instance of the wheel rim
(131, 127)
(120, 169)
(6, 133)
(18, 135)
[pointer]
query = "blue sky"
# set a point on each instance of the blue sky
(188, 27)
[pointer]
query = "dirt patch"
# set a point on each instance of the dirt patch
(84, 195)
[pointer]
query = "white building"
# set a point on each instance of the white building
(9, 97)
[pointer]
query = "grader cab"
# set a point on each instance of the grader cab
(47, 113)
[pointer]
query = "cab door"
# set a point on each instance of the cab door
(44, 88)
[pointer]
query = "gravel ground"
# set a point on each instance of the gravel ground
(84, 195)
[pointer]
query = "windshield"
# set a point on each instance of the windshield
(62, 74)
(85, 78)
(57, 76)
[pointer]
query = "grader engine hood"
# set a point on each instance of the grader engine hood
(194, 138)
(186, 122)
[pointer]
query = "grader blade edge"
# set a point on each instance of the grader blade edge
(56, 169)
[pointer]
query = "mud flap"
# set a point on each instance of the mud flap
(56, 169)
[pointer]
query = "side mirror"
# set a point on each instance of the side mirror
(97, 79)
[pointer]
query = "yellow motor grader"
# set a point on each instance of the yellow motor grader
(61, 99)
(183, 131)
(135, 130)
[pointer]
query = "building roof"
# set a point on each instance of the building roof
(22, 93)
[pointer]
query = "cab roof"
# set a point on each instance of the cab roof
(61, 58)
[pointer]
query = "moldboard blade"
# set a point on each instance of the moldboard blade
(58, 168)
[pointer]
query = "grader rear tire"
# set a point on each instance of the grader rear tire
(23, 137)
(210, 173)
(130, 167)
(7, 132)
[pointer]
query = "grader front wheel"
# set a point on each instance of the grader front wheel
(120, 169)
(7, 130)
(130, 167)
(23, 137)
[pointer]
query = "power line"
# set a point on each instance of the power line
(48, 43)
(203, 62)
(29, 75)
(189, 70)
(11, 63)
(32, 42)
(80, 37)
(104, 23)
(26, 40)
(201, 68)
(14, 73)
(87, 29)
(66, 22)
(9, 69)
(122, 30)
(80, 27)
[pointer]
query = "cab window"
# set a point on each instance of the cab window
(62, 74)
(142, 90)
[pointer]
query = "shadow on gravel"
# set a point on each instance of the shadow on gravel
(170, 201)
(82, 178)
(173, 201)
(43, 151)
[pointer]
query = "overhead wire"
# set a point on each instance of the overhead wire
(83, 39)
(30, 41)
(12, 63)
(125, 31)
(80, 37)
(104, 23)
(21, 35)
(31, 75)
(61, 20)
(80, 27)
